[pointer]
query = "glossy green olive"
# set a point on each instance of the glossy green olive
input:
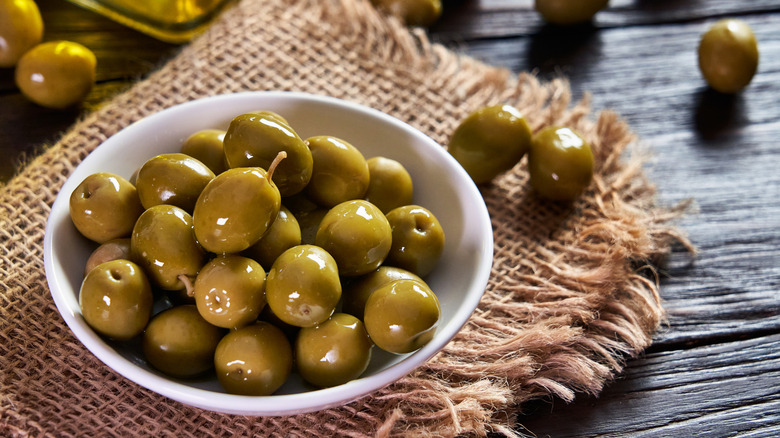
(175, 179)
(283, 234)
(114, 249)
(255, 139)
(728, 55)
(490, 141)
(303, 286)
(390, 185)
(56, 74)
(105, 207)
(340, 171)
(163, 243)
(253, 360)
(230, 291)
(235, 210)
(560, 164)
(180, 343)
(334, 352)
(357, 235)
(418, 239)
(412, 12)
(566, 12)
(206, 146)
(21, 28)
(402, 316)
(356, 293)
(116, 299)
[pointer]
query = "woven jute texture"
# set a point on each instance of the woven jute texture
(572, 292)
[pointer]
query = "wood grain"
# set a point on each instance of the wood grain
(714, 368)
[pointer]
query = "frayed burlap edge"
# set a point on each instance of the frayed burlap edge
(572, 291)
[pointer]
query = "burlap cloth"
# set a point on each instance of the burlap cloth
(571, 295)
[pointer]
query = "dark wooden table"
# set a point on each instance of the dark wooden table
(714, 370)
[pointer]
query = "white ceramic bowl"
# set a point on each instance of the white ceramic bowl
(440, 184)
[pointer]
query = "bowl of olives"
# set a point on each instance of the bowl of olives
(267, 253)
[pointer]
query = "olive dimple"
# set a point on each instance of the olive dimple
(417, 239)
(230, 291)
(105, 206)
(116, 299)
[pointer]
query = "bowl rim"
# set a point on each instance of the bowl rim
(283, 404)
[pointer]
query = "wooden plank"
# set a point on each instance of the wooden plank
(465, 20)
(726, 389)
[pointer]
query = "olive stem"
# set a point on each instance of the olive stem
(278, 159)
(187, 284)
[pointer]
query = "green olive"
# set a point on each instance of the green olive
(412, 12)
(560, 164)
(235, 210)
(357, 235)
(116, 299)
(180, 343)
(163, 243)
(105, 207)
(283, 234)
(253, 360)
(230, 291)
(566, 12)
(112, 250)
(418, 239)
(340, 171)
(390, 185)
(491, 140)
(56, 74)
(728, 55)
(356, 293)
(206, 146)
(333, 352)
(303, 286)
(175, 179)
(402, 316)
(21, 28)
(255, 139)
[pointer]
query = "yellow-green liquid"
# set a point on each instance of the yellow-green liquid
(168, 20)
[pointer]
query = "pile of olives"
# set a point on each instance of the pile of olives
(54, 74)
(493, 139)
(268, 253)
